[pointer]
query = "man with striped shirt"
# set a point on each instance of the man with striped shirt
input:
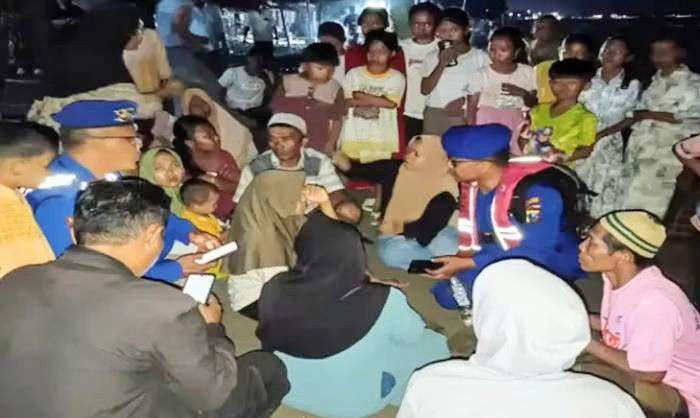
(287, 137)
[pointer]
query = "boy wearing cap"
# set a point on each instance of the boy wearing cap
(99, 140)
(508, 209)
(287, 136)
(648, 327)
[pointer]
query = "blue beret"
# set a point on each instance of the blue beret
(86, 114)
(477, 142)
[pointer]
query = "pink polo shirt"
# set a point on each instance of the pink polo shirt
(652, 320)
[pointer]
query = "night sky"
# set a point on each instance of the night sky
(573, 6)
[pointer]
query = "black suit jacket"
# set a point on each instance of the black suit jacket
(83, 337)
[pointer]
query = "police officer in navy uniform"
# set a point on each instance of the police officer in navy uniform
(99, 140)
(508, 209)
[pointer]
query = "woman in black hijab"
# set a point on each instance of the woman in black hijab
(349, 345)
(89, 56)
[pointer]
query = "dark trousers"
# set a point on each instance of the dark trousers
(414, 127)
(383, 172)
(262, 383)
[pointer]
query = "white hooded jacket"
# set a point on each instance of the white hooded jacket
(530, 326)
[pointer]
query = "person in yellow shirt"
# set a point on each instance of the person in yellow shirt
(26, 150)
(576, 45)
(200, 198)
(564, 130)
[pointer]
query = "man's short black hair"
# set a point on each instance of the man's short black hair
(116, 212)
(378, 11)
(320, 53)
(583, 39)
(572, 68)
(196, 191)
(26, 140)
(333, 29)
(426, 7)
(389, 39)
(615, 245)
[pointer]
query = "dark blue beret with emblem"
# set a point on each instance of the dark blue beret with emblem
(85, 114)
(476, 142)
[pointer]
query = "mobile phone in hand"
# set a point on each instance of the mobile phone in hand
(422, 266)
(199, 287)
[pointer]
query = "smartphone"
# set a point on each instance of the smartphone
(217, 253)
(421, 266)
(199, 287)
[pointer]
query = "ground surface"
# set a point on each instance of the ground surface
(461, 340)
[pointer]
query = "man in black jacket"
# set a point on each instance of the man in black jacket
(84, 336)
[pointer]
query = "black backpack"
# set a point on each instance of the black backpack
(574, 192)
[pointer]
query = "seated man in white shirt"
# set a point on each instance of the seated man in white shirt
(287, 137)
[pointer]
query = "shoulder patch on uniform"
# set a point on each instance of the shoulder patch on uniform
(533, 209)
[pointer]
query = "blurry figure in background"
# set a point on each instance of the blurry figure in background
(261, 21)
(334, 34)
(315, 96)
(200, 199)
(249, 88)
(648, 329)
(678, 256)
(668, 111)
(575, 45)
(446, 72)
(90, 57)
(373, 95)
(199, 146)
(564, 130)
(423, 19)
(499, 92)
(545, 45)
(351, 21)
(612, 94)
(175, 21)
(530, 327)
(26, 150)
(149, 67)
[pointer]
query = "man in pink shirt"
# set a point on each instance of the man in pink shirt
(649, 329)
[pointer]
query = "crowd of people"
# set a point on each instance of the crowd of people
(507, 177)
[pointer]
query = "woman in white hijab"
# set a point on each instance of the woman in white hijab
(530, 327)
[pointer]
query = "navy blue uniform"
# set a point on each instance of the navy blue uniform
(55, 204)
(546, 240)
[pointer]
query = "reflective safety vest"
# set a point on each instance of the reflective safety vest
(506, 232)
